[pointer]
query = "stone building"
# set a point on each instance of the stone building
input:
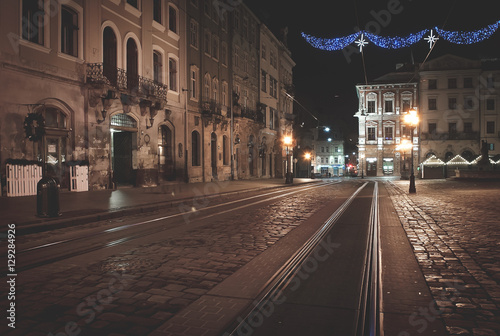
(382, 106)
(140, 91)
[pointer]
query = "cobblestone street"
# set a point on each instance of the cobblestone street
(454, 229)
(133, 293)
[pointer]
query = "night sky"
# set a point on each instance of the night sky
(325, 80)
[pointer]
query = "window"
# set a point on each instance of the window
(388, 133)
(236, 57)
(157, 67)
(172, 19)
(206, 7)
(467, 127)
(215, 89)
(69, 31)
(432, 84)
(133, 3)
(206, 85)
(273, 87)
(236, 19)
(452, 128)
(432, 104)
(244, 27)
(195, 148)
(207, 42)
(452, 83)
(33, 21)
(223, 53)
(172, 74)
(224, 94)
(215, 47)
(272, 58)
(389, 106)
(490, 127)
(432, 128)
(245, 62)
(406, 105)
(272, 118)
(490, 81)
(263, 51)
(371, 106)
(469, 103)
(157, 10)
(194, 33)
(490, 104)
(452, 103)
(264, 81)
(468, 82)
(194, 82)
(371, 133)
(225, 150)
(322, 149)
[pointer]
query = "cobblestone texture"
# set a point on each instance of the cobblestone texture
(134, 292)
(454, 229)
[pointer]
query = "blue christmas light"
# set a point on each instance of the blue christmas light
(460, 37)
(330, 44)
(395, 42)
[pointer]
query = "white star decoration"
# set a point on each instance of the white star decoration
(361, 42)
(431, 39)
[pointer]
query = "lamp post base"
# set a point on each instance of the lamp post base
(288, 178)
(412, 189)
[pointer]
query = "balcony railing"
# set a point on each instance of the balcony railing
(450, 136)
(209, 107)
(252, 114)
(118, 78)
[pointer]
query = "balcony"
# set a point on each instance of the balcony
(211, 107)
(450, 136)
(252, 114)
(135, 85)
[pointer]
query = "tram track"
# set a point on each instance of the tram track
(50, 252)
(363, 312)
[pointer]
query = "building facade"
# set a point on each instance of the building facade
(381, 110)
(141, 92)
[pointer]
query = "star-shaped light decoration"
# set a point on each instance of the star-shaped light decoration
(361, 42)
(431, 39)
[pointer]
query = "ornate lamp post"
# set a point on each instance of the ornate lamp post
(287, 141)
(411, 119)
(307, 156)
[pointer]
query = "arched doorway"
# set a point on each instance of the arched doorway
(110, 66)
(124, 142)
(166, 154)
(132, 65)
(213, 146)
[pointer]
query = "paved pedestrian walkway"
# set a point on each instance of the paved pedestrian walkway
(453, 229)
(84, 207)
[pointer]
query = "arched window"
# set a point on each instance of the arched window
(448, 156)
(158, 66)
(215, 89)
(468, 155)
(110, 55)
(195, 148)
(172, 74)
(132, 65)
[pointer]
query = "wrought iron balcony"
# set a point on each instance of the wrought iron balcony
(98, 73)
(209, 107)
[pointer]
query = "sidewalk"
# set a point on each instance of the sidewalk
(85, 207)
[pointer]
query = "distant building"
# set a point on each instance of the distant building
(457, 103)
(382, 105)
(326, 149)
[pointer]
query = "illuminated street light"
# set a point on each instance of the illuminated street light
(411, 119)
(307, 156)
(287, 141)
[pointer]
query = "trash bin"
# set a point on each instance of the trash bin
(47, 197)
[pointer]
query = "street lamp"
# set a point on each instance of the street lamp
(362, 156)
(287, 141)
(411, 119)
(307, 156)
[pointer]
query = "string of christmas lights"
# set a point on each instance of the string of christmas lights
(396, 42)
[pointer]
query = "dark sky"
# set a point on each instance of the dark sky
(325, 80)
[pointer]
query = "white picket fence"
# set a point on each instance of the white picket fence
(79, 178)
(22, 180)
